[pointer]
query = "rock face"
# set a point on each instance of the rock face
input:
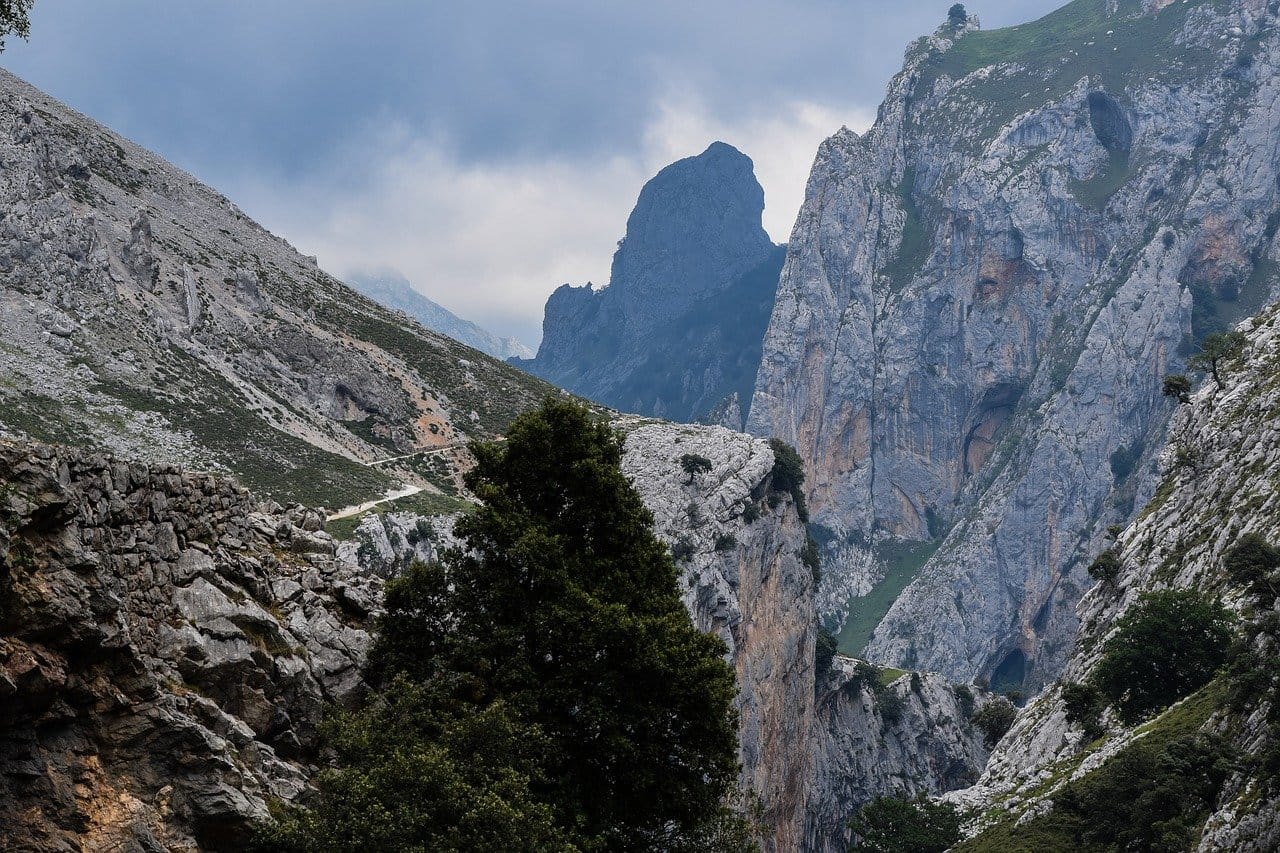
(887, 732)
(677, 332)
(1216, 486)
(745, 581)
(143, 312)
(394, 291)
(982, 293)
(166, 649)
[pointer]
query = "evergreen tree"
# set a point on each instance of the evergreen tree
(562, 611)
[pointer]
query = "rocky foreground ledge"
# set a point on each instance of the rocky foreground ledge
(167, 646)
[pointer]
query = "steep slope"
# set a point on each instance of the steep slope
(142, 311)
(394, 291)
(677, 332)
(167, 649)
(1217, 487)
(980, 296)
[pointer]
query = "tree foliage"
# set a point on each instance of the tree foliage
(1167, 646)
(15, 19)
(957, 15)
(560, 619)
(1105, 567)
(824, 652)
(1085, 704)
(1252, 563)
(995, 719)
(1177, 386)
(1216, 349)
(899, 825)
(694, 464)
(788, 474)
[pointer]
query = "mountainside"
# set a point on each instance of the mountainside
(979, 300)
(394, 291)
(1217, 489)
(677, 332)
(143, 312)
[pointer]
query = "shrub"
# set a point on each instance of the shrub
(1251, 563)
(1084, 708)
(726, 542)
(898, 825)
(824, 652)
(964, 698)
(812, 557)
(751, 513)
(1177, 386)
(891, 706)
(1216, 349)
(694, 464)
(1105, 567)
(1167, 646)
(995, 719)
(682, 549)
(957, 15)
(788, 475)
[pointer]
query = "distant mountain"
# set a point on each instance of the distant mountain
(678, 331)
(394, 291)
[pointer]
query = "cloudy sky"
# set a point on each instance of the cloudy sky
(490, 150)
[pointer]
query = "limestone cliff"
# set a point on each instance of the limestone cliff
(981, 295)
(167, 646)
(677, 332)
(1216, 486)
(142, 311)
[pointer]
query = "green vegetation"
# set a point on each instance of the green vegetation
(1105, 567)
(1085, 704)
(1217, 348)
(788, 475)
(899, 825)
(544, 689)
(1177, 386)
(824, 652)
(694, 464)
(726, 542)
(903, 561)
(1252, 563)
(812, 558)
(1096, 191)
(957, 15)
(14, 19)
(995, 718)
(916, 245)
(1167, 646)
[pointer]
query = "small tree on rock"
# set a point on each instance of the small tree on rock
(694, 464)
(957, 16)
(1251, 563)
(1177, 386)
(1216, 349)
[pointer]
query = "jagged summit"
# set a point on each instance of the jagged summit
(676, 332)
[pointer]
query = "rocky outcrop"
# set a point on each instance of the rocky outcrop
(141, 311)
(738, 547)
(884, 733)
(1215, 487)
(394, 291)
(166, 648)
(678, 329)
(982, 293)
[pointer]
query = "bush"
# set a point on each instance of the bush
(898, 825)
(751, 513)
(694, 464)
(964, 698)
(682, 549)
(788, 475)
(957, 15)
(1105, 567)
(1166, 647)
(726, 542)
(1251, 563)
(824, 652)
(890, 706)
(1177, 386)
(1085, 705)
(995, 719)
(812, 557)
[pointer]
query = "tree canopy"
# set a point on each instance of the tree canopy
(957, 15)
(15, 19)
(559, 622)
(1217, 348)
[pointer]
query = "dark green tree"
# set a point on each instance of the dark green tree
(995, 719)
(694, 464)
(1169, 645)
(1177, 386)
(563, 610)
(15, 19)
(824, 652)
(1252, 563)
(1105, 567)
(788, 474)
(899, 825)
(957, 15)
(1216, 349)
(1085, 704)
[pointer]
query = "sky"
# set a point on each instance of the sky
(488, 150)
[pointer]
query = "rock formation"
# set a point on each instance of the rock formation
(142, 311)
(982, 293)
(677, 332)
(394, 291)
(167, 647)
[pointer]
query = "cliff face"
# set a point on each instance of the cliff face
(677, 332)
(166, 649)
(1215, 488)
(142, 311)
(981, 295)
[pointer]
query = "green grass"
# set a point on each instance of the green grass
(916, 244)
(1095, 192)
(903, 562)
(888, 675)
